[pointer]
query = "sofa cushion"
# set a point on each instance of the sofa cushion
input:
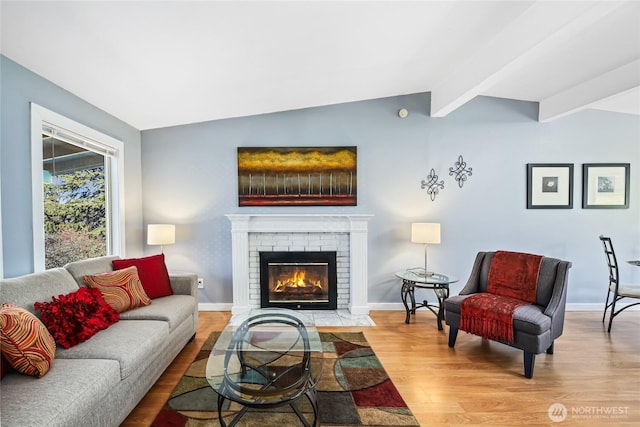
(79, 269)
(77, 316)
(40, 287)
(70, 389)
(25, 341)
(531, 319)
(153, 274)
(121, 289)
(173, 309)
(133, 343)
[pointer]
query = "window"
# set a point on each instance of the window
(77, 191)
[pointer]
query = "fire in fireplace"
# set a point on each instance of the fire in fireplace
(298, 280)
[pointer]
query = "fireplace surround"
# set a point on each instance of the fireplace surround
(305, 232)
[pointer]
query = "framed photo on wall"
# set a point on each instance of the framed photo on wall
(549, 185)
(605, 185)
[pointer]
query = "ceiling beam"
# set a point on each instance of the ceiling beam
(520, 42)
(584, 95)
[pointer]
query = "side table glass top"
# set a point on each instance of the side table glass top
(265, 358)
(434, 279)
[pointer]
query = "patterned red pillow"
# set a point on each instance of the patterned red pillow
(25, 341)
(75, 317)
(153, 274)
(121, 289)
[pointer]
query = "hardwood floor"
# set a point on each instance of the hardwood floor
(595, 375)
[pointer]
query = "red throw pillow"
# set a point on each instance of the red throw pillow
(152, 272)
(75, 317)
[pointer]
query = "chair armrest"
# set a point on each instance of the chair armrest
(184, 283)
(556, 307)
(473, 283)
(559, 294)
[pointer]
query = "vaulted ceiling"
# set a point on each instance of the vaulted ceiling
(155, 64)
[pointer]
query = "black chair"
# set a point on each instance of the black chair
(619, 290)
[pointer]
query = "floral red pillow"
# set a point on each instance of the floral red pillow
(75, 317)
(152, 272)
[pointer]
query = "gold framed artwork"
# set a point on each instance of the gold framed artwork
(297, 176)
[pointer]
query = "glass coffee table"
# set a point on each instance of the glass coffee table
(266, 358)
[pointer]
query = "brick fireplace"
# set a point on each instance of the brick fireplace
(346, 234)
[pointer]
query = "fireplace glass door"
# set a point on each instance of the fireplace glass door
(298, 280)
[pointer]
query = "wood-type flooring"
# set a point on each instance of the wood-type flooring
(593, 375)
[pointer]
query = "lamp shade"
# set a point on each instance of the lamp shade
(425, 232)
(161, 234)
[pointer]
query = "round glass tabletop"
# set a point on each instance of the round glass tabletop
(418, 276)
(266, 357)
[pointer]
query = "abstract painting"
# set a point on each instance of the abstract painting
(297, 176)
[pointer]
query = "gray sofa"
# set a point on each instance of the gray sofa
(100, 381)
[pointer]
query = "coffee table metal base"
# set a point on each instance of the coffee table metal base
(310, 395)
(272, 359)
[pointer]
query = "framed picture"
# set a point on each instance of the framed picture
(297, 176)
(605, 185)
(549, 185)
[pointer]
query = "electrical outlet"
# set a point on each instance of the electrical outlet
(200, 283)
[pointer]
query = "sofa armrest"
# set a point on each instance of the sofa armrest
(184, 283)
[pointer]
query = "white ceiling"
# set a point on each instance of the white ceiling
(155, 64)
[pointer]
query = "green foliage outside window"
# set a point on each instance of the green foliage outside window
(75, 217)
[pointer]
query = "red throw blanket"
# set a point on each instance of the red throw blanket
(512, 282)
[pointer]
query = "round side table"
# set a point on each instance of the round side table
(437, 282)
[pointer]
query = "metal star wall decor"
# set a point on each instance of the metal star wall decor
(461, 171)
(432, 185)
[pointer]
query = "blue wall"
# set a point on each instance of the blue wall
(187, 175)
(19, 87)
(189, 178)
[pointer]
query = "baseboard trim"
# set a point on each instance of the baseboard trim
(597, 307)
(392, 306)
(208, 306)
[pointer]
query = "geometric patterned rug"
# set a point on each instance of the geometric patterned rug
(354, 390)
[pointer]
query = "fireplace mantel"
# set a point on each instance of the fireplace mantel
(353, 224)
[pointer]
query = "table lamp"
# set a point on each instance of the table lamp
(161, 234)
(426, 233)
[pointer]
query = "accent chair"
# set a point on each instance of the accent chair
(513, 298)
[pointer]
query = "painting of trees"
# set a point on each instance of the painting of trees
(289, 176)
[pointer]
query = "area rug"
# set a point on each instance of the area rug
(354, 390)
